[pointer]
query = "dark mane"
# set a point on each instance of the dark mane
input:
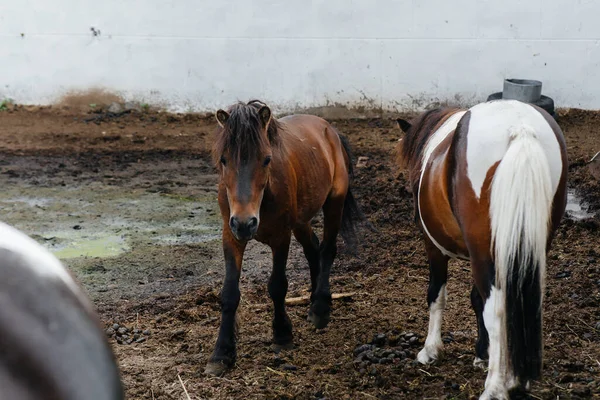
(414, 141)
(242, 134)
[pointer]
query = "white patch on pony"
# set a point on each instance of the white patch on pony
(493, 317)
(433, 343)
(490, 128)
(35, 255)
(434, 141)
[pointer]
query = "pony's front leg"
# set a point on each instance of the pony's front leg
(278, 286)
(436, 300)
(224, 354)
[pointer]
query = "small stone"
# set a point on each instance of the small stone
(289, 367)
(409, 335)
(129, 341)
(385, 361)
(373, 371)
(413, 340)
(370, 356)
(77, 227)
(362, 348)
(110, 332)
(563, 274)
(391, 356)
(146, 332)
(136, 330)
(362, 162)
(379, 339)
(136, 336)
(115, 108)
(115, 326)
(122, 330)
(455, 386)
(125, 337)
(362, 356)
(141, 340)
(132, 106)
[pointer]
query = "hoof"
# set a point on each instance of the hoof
(479, 363)
(494, 394)
(216, 368)
(428, 355)
(319, 322)
(277, 347)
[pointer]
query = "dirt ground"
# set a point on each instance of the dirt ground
(157, 293)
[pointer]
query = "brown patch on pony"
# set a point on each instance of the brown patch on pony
(436, 211)
(560, 197)
(410, 149)
(242, 135)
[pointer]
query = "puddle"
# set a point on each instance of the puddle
(575, 207)
(103, 222)
(103, 246)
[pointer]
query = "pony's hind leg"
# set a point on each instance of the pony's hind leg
(436, 299)
(493, 314)
(481, 347)
(278, 286)
(321, 297)
(310, 244)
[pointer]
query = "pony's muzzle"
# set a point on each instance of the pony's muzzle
(243, 229)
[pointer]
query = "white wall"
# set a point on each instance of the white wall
(396, 54)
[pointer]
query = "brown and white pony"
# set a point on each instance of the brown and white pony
(489, 186)
(52, 345)
(275, 176)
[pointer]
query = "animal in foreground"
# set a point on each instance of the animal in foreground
(52, 345)
(275, 176)
(489, 186)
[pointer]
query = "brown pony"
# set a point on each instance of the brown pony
(275, 175)
(489, 186)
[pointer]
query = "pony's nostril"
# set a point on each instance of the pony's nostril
(253, 222)
(233, 223)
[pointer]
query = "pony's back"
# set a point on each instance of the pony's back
(51, 342)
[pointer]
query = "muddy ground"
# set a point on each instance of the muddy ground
(128, 202)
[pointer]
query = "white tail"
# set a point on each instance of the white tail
(520, 210)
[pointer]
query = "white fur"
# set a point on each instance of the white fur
(433, 343)
(493, 317)
(434, 141)
(490, 128)
(521, 204)
(36, 256)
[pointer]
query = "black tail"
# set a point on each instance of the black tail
(524, 320)
(352, 214)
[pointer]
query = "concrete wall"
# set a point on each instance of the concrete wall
(390, 54)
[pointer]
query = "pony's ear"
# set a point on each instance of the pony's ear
(265, 115)
(404, 125)
(222, 117)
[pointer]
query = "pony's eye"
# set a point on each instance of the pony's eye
(223, 161)
(267, 161)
